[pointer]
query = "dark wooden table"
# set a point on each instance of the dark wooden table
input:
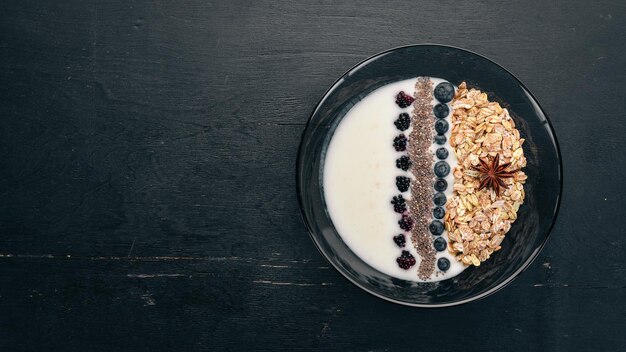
(147, 188)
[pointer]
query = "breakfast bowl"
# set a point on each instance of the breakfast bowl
(533, 221)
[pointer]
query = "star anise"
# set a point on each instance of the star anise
(492, 174)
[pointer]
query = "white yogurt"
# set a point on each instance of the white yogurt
(359, 182)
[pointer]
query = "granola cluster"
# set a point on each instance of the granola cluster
(477, 220)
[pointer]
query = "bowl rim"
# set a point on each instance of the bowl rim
(476, 297)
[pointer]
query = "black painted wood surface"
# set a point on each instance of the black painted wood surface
(147, 188)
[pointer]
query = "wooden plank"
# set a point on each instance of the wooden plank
(147, 160)
(279, 304)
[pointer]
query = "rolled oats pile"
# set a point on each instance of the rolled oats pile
(478, 219)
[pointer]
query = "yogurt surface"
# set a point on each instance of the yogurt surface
(359, 182)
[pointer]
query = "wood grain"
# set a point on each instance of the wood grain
(147, 160)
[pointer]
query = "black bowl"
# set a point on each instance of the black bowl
(536, 216)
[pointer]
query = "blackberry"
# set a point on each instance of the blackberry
(441, 126)
(406, 260)
(403, 163)
(399, 204)
(399, 143)
(443, 264)
(399, 240)
(438, 213)
(403, 122)
(436, 227)
(403, 183)
(406, 223)
(440, 139)
(441, 111)
(444, 92)
(404, 100)
(439, 199)
(441, 185)
(440, 244)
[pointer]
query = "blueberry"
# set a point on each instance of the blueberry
(403, 183)
(441, 185)
(404, 163)
(442, 169)
(443, 264)
(441, 111)
(439, 199)
(444, 92)
(442, 153)
(438, 213)
(436, 227)
(403, 122)
(440, 139)
(441, 126)
(440, 244)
